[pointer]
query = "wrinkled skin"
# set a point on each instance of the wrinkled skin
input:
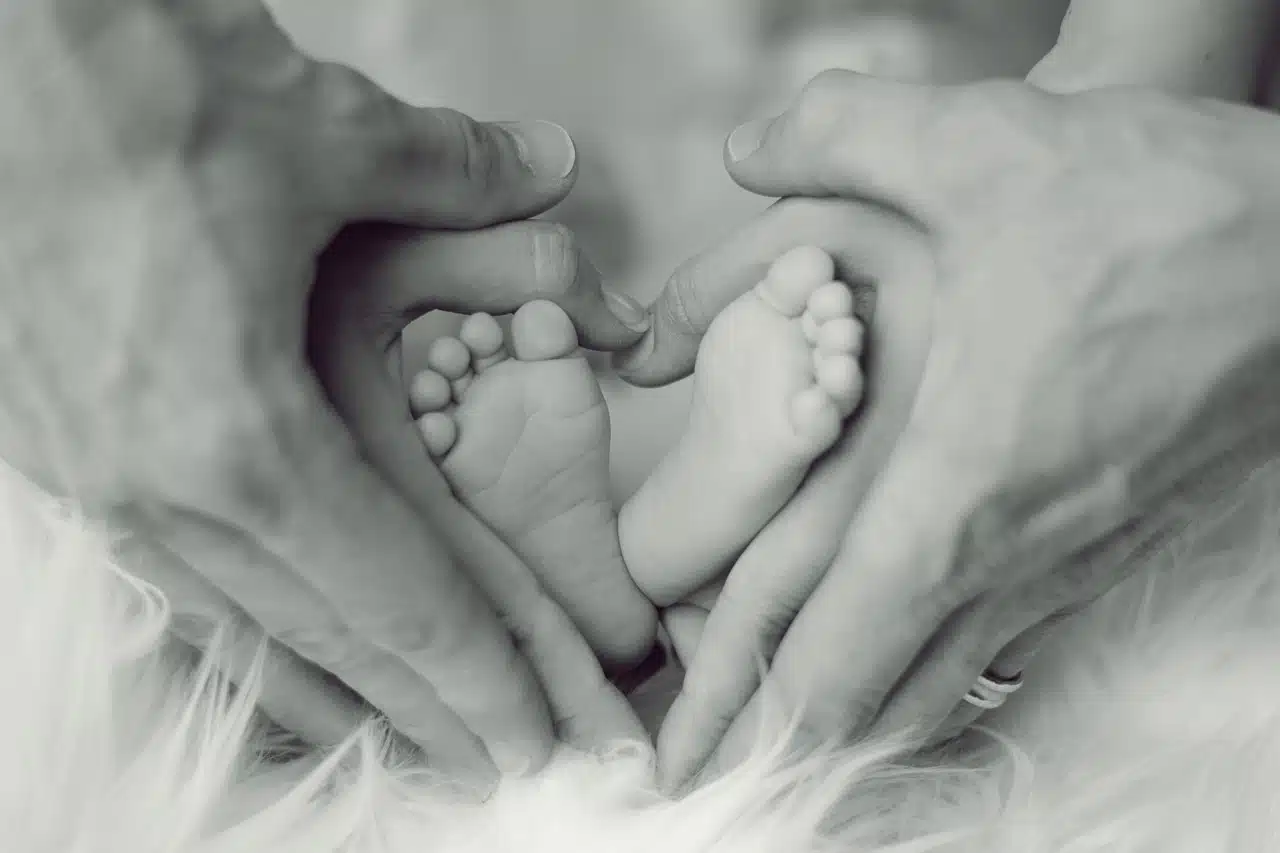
(1076, 329)
(192, 355)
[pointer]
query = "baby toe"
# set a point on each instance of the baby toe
(460, 385)
(483, 337)
(450, 358)
(439, 433)
(541, 331)
(831, 301)
(843, 335)
(794, 277)
(815, 417)
(428, 392)
(840, 377)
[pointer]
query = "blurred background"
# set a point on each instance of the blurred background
(650, 89)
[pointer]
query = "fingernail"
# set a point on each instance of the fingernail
(746, 140)
(544, 147)
(636, 355)
(628, 311)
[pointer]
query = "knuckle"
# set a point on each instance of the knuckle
(480, 159)
(828, 87)
(345, 96)
(832, 715)
(329, 645)
(764, 617)
(226, 461)
(990, 135)
(415, 635)
(717, 699)
(819, 117)
(241, 467)
(537, 624)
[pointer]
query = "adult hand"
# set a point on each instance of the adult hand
(1079, 384)
(178, 171)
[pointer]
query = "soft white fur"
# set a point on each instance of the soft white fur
(1151, 727)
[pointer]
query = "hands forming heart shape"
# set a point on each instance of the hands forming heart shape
(1074, 330)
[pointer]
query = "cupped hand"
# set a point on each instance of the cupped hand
(184, 175)
(1101, 333)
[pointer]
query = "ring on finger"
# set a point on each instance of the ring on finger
(991, 690)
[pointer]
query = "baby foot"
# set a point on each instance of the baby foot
(524, 443)
(777, 375)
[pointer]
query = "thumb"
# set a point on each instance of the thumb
(384, 160)
(855, 136)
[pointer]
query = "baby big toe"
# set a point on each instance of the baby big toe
(794, 277)
(541, 331)
(439, 432)
(483, 337)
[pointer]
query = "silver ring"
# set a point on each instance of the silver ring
(991, 691)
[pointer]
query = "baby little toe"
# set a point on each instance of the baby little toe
(483, 337)
(429, 392)
(816, 419)
(794, 277)
(541, 331)
(439, 432)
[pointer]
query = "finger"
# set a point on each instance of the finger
(287, 605)
(586, 709)
(379, 159)
(869, 245)
(944, 670)
(779, 570)
(853, 136)
(404, 273)
(889, 588)
(1050, 580)
(321, 517)
(293, 693)
(1010, 663)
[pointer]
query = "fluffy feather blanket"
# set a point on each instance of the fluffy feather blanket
(1151, 726)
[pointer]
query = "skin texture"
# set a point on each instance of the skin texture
(1021, 442)
(199, 352)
